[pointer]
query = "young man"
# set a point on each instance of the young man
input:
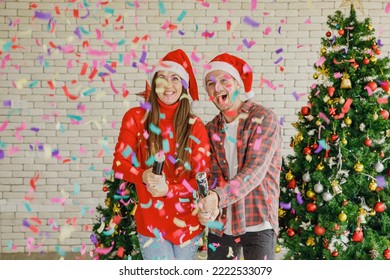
(245, 166)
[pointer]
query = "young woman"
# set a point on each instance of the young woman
(166, 216)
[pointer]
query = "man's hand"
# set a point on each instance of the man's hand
(155, 184)
(208, 208)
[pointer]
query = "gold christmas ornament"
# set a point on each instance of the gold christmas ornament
(345, 82)
(310, 241)
(116, 208)
(315, 76)
(348, 121)
(310, 194)
(336, 188)
(372, 186)
(320, 166)
(373, 59)
(342, 217)
(277, 249)
(344, 141)
(281, 213)
(341, 100)
(359, 167)
(323, 50)
(318, 123)
(289, 176)
(107, 202)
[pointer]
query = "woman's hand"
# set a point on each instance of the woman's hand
(155, 184)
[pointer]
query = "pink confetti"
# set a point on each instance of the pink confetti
(320, 61)
(215, 137)
(324, 117)
(337, 75)
(267, 82)
(5, 60)
(387, 9)
(267, 30)
(257, 144)
(104, 251)
(253, 5)
(4, 125)
(369, 90)
(22, 127)
(58, 200)
(187, 185)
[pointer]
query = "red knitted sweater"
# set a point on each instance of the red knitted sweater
(172, 217)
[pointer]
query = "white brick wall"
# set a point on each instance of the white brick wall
(28, 153)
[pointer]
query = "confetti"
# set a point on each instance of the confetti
(387, 8)
(182, 15)
(249, 21)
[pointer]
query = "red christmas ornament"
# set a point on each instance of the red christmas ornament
(386, 254)
(384, 114)
(336, 227)
(331, 91)
(292, 184)
(366, 61)
(357, 235)
(305, 110)
(341, 32)
(105, 188)
(319, 230)
(290, 232)
(334, 137)
(315, 146)
(311, 207)
(355, 65)
(379, 207)
(374, 47)
(372, 85)
(385, 85)
(335, 253)
(378, 51)
(307, 150)
(368, 142)
(328, 34)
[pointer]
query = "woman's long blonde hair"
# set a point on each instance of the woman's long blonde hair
(181, 125)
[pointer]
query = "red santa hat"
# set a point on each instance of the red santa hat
(236, 67)
(178, 62)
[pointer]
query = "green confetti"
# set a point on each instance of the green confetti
(182, 15)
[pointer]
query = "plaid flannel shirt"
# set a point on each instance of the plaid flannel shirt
(254, 192)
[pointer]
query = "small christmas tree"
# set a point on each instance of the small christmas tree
(114, 235)
(335, 199)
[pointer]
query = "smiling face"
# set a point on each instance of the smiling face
(222, 89)
(168, 87)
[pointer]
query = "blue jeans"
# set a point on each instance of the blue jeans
(160, 249)
(258, 245)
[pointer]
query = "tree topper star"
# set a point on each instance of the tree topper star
(356, 3)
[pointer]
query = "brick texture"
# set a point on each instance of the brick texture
(56, 150)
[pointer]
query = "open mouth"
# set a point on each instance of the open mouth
(222, 98)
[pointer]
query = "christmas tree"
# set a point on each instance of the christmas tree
(335, 198)
(114, 234)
